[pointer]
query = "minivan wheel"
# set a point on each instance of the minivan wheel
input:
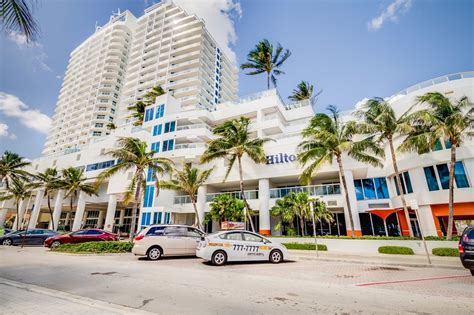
(7, 242)
(276, 256)
(154, 253)
(219, 258)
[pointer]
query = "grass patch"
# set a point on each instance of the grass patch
(305, 246)
(443, 251)
(95, 247)
(396, 250)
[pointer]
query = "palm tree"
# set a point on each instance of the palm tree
(264, 59)
(225, 207)
(111, 126)
(152, 94)
(321, 212)
(232, 143)
(304, 91)
(379, 119)
(16, 16)
(328, 138)
(17, 190)
(138, 112)
(12, 168)
(133, 154)
(49, 180)
(283, 208)
(188, 180)
(73, 182)
(440, 119)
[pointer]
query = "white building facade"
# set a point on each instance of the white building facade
(180, 133)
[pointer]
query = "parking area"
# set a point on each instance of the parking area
(184, 285)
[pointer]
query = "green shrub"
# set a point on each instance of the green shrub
(396, 250)
(371, 237)
(305, 246)
(95, 247)
(444, 251)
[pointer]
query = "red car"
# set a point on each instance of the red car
(81, 236)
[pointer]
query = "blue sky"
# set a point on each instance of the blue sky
(349, 49)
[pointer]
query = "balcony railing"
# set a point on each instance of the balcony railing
(196, 126)
(190, 146)
(180, 200)
(249, 194)
(314, 190)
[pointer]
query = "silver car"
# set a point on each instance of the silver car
(167, 240)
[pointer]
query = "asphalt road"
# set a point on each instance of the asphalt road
(187, 285)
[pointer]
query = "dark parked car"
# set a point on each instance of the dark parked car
(81, 236)
(29, 237)
(466, 248)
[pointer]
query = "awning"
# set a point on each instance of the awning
(383, 213)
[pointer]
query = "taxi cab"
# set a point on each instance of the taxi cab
(224, 246)
(156, 241)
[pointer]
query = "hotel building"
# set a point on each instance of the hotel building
(180, 133)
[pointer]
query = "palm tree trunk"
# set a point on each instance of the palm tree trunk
(346, 194)
(268, 81)
(400, 188)
(138, 199)
(50, 211)
(71, 201)
(302, 226)
(451, 192)
(197, 221)
(18, 214)
(243, 195)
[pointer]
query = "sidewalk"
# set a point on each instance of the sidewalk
(379, 259)
(21, 298)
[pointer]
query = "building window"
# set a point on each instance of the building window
(168, 145)
(443, 173)
(430, 177)
(371, 188)
(460, 175)
(442, 170)
(157, 129)
(170, 126)
(99, 125)
(100, 116)
(406, 183)
(146, 218)
(150, 176)
(155, 147)
(149, 114)
(149, 195)
(96, 133)
(100, 165)
(160, 111)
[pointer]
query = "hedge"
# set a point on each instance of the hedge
(443, 251)
(396, 250)
(305, 246)
(371, 237)
(95, 247)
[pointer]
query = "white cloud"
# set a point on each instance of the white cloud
(390, 13)
(219, 17)
(5, 133)
(58, 77)
(18, 39)
(12, 106)
(35, 50)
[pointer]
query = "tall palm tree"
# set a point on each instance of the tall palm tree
(17, 190)
(263, 59)
(379, 119)
(232, 142)
(440, 119)
(304, 91)
(188, 180)
(328, 138)
(133, 154)
(49, 180)
(12, 168)
(283, 209)
(16, 16)
(73, 182)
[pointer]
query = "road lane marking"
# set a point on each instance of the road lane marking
(408, 280)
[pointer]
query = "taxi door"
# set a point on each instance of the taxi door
(174, 240)
(255, 247)
(234, 246)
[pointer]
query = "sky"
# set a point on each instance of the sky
(350, 50)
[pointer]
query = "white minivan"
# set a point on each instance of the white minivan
(167, 240)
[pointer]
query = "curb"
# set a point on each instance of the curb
(100, 305)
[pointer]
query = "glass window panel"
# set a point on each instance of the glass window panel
(460, 175)
(437, 146)
(369, 188)
(358, 189)
(381, 188)
(447, 144)
(430, 177)
(407, 185)
(443, 173)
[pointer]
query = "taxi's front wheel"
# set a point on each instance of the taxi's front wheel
(276, 256)
(219, 258)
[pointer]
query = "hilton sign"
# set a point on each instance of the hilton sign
(280, 158)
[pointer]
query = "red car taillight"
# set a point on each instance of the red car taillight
(139, 237)
(461, 249)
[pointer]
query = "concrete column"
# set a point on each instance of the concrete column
(58, 206)
(201, 202)
(353, 202)
(79, 215)
(3, 214)
(36, 209)
(100, 219)
(122, 217)
(110, 215)
(426, 221)
(21, 213)
(264, 207)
